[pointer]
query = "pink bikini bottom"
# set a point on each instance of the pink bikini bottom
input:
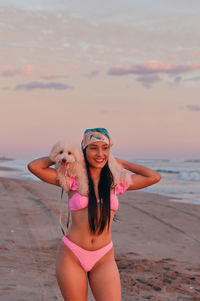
(87, 258)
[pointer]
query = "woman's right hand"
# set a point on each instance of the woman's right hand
(40, 168)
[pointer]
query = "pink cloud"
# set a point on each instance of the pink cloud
(27, 70)
(144, 72)
(9, 70)
(157, 66)
(153, 67)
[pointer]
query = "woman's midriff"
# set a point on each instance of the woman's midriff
(80, 234)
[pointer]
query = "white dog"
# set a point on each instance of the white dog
(70, 162)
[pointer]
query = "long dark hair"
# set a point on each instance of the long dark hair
(97, 224)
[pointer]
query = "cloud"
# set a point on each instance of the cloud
(44, 86)
(150, 72)
(148, 79)
(27, 70)
(9, 71)
(194, 108)
(93, 73)
(153, 67)
(52, 76)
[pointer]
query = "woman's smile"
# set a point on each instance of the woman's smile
(99, 160)
(97, 154)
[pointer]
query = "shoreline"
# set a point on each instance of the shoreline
(2, 168)
(6, 159)
(156, 243)
(5, 168)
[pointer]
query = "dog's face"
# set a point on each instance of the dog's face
(65, 154)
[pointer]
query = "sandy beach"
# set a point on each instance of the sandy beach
(157, 244)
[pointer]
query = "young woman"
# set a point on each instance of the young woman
(86, 251)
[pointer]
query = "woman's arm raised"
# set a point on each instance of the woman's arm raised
(143, 177)
(40, 168)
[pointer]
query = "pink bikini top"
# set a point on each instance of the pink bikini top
(78, 201)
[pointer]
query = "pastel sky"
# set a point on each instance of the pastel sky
(132, 66)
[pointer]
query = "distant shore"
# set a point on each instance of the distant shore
(6, 159)
(4, 168)
(157, 244)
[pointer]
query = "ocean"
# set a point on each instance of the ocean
(180, 178)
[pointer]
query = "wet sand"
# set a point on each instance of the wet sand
(157, 244)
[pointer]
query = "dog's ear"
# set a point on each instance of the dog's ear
(120, 175)
(55, 151)
(115, 168)
(77, 152)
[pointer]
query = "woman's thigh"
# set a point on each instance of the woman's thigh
(71, 277)
(105, 280)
